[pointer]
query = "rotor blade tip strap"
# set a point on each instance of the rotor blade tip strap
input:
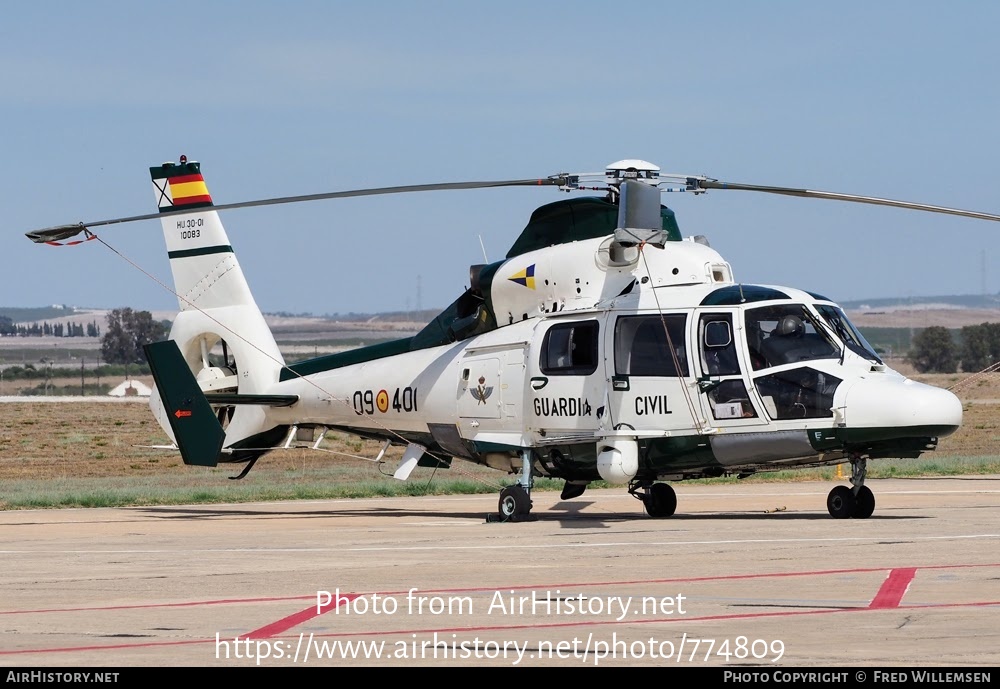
(88, 235)
(74, 242)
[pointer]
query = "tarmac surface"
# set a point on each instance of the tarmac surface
(752, 576)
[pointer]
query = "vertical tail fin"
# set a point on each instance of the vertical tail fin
(215, 302)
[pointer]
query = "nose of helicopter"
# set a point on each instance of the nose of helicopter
(903, 403)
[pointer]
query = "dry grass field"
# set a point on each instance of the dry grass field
(108, 439)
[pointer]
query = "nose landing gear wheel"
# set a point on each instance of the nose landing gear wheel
(864, 503)
(660, 501)
(514, 503)
(841, 502)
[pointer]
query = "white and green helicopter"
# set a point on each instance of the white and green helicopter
(604, 346)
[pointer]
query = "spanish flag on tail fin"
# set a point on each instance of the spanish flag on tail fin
(179, 186)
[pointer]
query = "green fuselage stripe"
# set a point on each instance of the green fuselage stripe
(360, 355)
(204, 251)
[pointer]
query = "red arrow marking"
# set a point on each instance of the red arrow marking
(181, 413)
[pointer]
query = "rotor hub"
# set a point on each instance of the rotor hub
(631, 169)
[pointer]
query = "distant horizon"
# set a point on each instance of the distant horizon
(852, 303)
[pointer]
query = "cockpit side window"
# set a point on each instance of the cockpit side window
(651, 346)
(846, 331)
(570, 349)
(799, 393)
(718, 348)
(728, 399)
(786, 334)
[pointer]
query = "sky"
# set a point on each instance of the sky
(894, 99)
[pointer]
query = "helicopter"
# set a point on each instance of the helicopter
(605, 346)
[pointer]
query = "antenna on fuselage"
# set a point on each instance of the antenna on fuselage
(483, 246)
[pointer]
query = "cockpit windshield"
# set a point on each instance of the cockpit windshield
(786, 334)
(846, 331)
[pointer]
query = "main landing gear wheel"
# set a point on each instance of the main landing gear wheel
(864, 503)
(514, 503)
(660, 500)
(841, 502)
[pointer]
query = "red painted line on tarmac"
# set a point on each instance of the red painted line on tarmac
(286, 623)
(408, 632)
(893, 588)
(142, 606)
(112, 647)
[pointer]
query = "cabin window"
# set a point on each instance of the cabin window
(570, 349)
(651, 346)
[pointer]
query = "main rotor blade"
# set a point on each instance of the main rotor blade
(60, 232)
(697, 183)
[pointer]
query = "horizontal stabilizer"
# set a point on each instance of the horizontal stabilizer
(196, 427)
(263, 400)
